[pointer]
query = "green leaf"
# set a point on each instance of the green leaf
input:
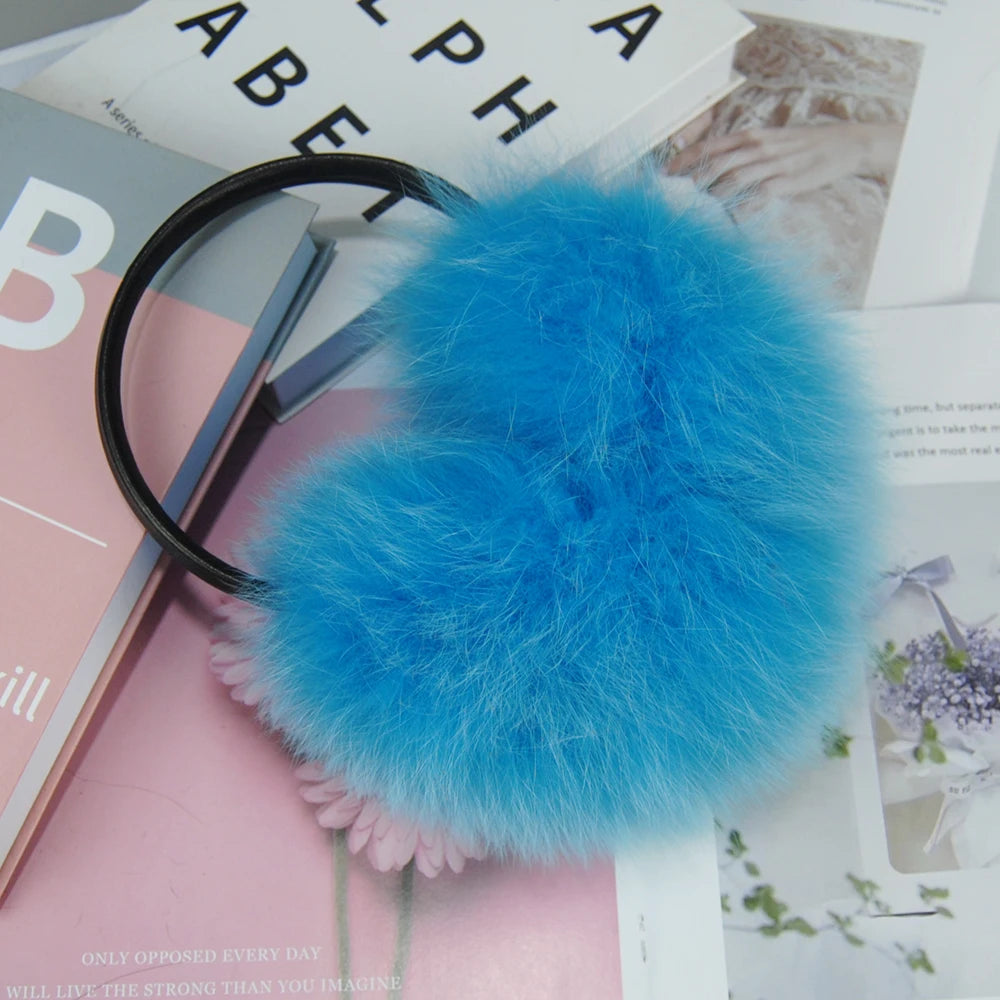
(751, 869)
(890, 664)
(865, 888)
(800, 926)
(762, 898)
(919, 753)
(898, 666)
(736, 848)
(724, 900)
(836, 743)
(956, 660)
(843, 924)
(929, 733)
(937, 754)
(927, 893)
(919, 962)
(772, 907)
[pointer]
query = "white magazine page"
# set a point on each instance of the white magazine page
(927, 758)
(806, 884)
(668, 921)
(801, 899)
(864, 133)
(877, 874)
(404, 76)
(985, 283)
(937, 374)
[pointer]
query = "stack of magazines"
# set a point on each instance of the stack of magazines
(180, 859)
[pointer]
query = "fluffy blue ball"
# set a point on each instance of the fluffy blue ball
(609, 571)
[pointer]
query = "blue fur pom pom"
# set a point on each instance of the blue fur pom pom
(609, 570)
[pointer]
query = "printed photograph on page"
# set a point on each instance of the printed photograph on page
(926, 756)
(934, 680)
(800, 916)
(809, 143)
(877, 874)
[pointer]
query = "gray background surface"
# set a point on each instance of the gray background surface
(26, 20)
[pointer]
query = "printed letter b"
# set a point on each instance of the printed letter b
(58, 271)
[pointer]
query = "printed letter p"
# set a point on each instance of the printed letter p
(58, 271)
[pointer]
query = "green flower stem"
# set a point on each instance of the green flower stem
(340, 869)
(404, 930)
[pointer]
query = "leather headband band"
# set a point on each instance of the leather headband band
(237, 189)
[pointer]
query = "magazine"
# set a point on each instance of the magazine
(836, 139)
(814, 902)
(811, 903)
(76, 562)
(670, 937)
(985, 281)
(477, 93)
(877, 874)
(182, 860)
(924, 766)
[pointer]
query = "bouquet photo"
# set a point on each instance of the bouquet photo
(937, 700)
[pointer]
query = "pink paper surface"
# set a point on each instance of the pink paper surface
(181, 861)
(66, 534)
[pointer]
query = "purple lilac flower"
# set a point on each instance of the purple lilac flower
(931, 681)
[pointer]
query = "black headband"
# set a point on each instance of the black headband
(232, 191)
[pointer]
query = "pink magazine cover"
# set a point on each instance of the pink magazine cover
(68, 538)
(182, 861)
(74, 563)
(84, 722)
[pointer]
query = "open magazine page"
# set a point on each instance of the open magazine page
(878, 873)
(813, 904)
(803, 913)
(478, 100)
(985, 282)
(668, 921)
(182, 860)
(864, 134)
(928, 749)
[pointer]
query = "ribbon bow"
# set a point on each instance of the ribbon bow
(970, 776)
(969, 816)
(969, 797)
(926, 577)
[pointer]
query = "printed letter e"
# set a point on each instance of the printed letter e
(58, 271)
